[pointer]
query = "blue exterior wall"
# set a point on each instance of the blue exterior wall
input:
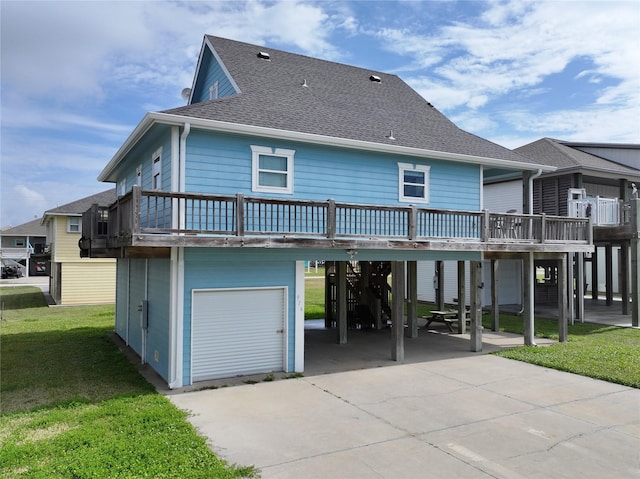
(221, 164)
(224, 268)
(208, 74)
(158, 294)
(122, 293)
(137, 293)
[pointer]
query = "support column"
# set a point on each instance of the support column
(462, 298)
(495, 305)
(529, 296)
(580, 287)
(635, 262)
(608, 261)
(412, 299)
(341, 301)
(439, 285)
(476, 306)
(623, 275)
(397, 313)
(594, 273)
(562, 299)
(569, 293)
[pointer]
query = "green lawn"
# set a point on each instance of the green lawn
(72, 406)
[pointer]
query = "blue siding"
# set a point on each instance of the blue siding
(216, 268)
(142, 154)
(159, 315)
(210, 72)
(221, 164)
(137, 287)
(122, 292)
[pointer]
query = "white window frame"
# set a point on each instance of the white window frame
(256, 152)
(139, 175)
(156, 170)
(213, 91)
(74, 222)
(402, 167)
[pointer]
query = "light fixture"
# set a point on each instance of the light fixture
(352, 254)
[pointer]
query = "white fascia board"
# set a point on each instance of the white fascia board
(222, 65)
(237, 128)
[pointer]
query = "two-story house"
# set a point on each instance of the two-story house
(278, 158)
(26, 244)
(72, 279)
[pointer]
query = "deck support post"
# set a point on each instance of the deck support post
(635, 262)
(476, 306)
(462, 299)
(397, 313)
(341, 301)
(608, 266)
(623, 275)
(580, 287)
(570, 292)
(594, 273)
(495, 305)
(439, 284)
(412, 299)
(529, 297)
(562, 299)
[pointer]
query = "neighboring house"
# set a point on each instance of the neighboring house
(278, 158)
(591, 180)
(76, 280)
(26, 244)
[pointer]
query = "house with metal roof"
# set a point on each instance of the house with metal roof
(278, 158)
(73, 279)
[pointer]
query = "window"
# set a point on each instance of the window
(73, 224)
(272, 169)
(213, 91)
(156, 170)
(413, 183)
(139, 175)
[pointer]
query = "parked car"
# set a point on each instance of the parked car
(11, 269)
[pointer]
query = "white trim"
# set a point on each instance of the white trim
(139, 176)
(402, 167)
(298, 362)
(176, 321)
(123, 186)
(213, 91)
(78, 224)
(151, 118)
(222, 66)
(256, 152)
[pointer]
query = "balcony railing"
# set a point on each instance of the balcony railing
(603, 211)
(143, 212)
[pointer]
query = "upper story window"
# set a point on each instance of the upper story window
(139, 175)
(73, 224)
(413, 183)
(156, 169)
(272, 169)
(213, 91)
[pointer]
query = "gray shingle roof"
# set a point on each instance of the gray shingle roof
(339, 101)
(548, 151)
(30, 228)
(78, 207)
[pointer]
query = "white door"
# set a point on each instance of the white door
(237, 332)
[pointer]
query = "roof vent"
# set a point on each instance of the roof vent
(390, 136)
(304, 83)
(264, 55)
(375, 79)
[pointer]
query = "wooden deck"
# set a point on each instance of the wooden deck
(157, 219)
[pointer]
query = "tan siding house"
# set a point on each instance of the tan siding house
(76, 280)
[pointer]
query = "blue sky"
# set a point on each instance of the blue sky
(77, 77)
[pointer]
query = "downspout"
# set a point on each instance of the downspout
(531, 178)
(177, 273)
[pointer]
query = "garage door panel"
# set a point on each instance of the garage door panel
(237, 332)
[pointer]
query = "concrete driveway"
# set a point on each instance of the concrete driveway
(478, 416)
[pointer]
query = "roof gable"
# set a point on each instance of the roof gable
(293, 92)
(76, 208)
(30, 228)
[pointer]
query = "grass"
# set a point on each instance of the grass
(72, 406)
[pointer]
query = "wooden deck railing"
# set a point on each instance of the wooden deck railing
(153, 212)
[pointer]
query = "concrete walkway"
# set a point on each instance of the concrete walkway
(478, 416)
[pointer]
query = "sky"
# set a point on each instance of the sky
(77, 77)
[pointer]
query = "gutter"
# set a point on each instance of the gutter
(152, 118)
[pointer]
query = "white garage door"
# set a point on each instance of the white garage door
(237, 331)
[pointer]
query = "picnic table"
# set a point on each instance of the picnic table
(447, 317)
